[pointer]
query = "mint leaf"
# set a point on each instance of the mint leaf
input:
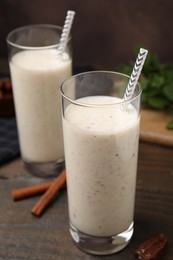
(166, 72)
(156, 81)
(170, 125)
(168, 91)
(157, 103)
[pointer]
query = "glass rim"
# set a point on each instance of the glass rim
(25, 47)
(77, 102)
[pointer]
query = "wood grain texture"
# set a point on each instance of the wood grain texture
(22, 236)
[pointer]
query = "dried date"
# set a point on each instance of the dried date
(152, 248)
(5, 87)
(6, 98)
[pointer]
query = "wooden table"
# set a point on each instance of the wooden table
(23, 236)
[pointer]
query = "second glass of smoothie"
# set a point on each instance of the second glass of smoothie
(37, 71)
(101, 135)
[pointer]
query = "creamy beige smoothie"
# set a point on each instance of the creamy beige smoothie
(101, 147)
(36, 78)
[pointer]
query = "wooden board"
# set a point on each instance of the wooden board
(153, 127)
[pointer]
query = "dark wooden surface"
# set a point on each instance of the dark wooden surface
(23, 236)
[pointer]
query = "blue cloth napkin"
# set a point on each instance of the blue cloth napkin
(9, 144)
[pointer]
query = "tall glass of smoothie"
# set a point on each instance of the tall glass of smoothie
(101, 135)
(37, 71)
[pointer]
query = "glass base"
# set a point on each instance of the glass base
(101, 245)
(45, 170)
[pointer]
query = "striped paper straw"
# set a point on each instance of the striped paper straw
(135, 74)
(65, 32)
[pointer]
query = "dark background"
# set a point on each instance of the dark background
(104, 31)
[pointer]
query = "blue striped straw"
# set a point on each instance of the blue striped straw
(65, 32)
(135, 74)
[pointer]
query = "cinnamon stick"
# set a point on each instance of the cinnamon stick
(25, 192)
(49, 194)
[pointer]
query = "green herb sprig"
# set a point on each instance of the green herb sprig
(157, 83)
